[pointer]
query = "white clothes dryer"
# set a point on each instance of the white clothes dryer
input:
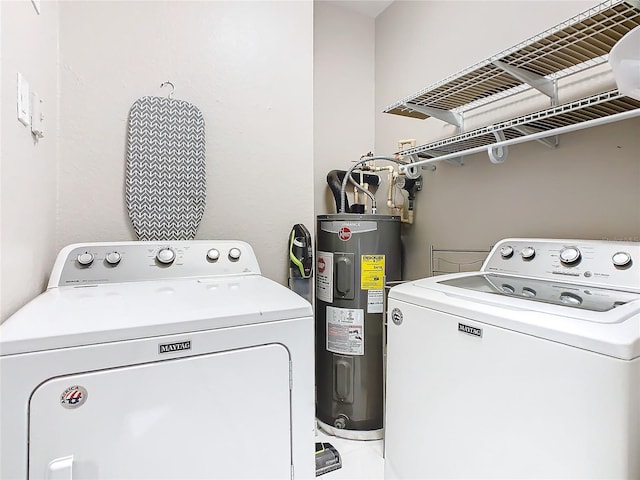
(158, 360)
(529, 368)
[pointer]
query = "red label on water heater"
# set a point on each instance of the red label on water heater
(344, 234)
(321, 265)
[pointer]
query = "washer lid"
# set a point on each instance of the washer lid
(74, 316)
(558, 293)
(611, 331)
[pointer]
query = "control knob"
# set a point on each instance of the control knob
(570, 299)
(85, 259)
(213, 254)
(234, 254)
(506, 288)
(528, 253)
(113, 258)
(166, 256)
(570, 255)
(621, 259)
(506, 251)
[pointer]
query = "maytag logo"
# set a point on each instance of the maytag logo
(174, 347)
(476, 332)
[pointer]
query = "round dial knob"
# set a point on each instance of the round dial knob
(166, 256)
(621, 259)
(506, 288)
(113, 258)
(528, 292)
(85, 259)
(570, 299)
(528, 253)
(213, 254)
(234, 254)
(569, 255)
(506, 251)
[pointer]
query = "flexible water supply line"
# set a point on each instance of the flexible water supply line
(367, 192)
(356, 198)
(343, 188)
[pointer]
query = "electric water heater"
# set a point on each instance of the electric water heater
(356, 255)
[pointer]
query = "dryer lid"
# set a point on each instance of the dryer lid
(85, 315)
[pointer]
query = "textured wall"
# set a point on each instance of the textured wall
(246, 65)
(343, 110)
(28, 180)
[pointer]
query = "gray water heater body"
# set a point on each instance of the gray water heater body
(356, 254)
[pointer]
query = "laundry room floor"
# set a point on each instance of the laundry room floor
(361, 459)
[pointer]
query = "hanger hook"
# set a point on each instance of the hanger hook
(173, 88)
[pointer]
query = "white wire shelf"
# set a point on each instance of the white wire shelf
(594, 107)
(579, 43)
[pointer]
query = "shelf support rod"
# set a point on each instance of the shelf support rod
(457, 161)
(549, 142)
(540, 83)
(414, 173)
(447, 116)
(616, 117)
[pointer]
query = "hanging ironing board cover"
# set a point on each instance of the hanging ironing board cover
(166, 169)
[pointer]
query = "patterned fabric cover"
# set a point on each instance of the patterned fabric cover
(166, 169)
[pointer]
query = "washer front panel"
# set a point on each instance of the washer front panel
(466, 399)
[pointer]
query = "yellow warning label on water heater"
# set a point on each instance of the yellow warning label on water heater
(372, 272)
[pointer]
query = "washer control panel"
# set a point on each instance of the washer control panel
(598, 262)
(116, 262)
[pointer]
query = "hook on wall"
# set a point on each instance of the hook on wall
(498, 154)
(173, 88)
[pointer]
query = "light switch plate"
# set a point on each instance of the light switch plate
(37, 117)
(24, 112)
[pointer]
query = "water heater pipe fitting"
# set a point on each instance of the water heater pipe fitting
(395, 159)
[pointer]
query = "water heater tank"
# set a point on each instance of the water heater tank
(356, 255)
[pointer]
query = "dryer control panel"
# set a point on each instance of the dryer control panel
(591, 262)
(116, 262)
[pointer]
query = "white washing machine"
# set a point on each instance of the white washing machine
(529, 368)
(158, 360)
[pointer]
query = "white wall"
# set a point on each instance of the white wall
(28, 167)
(589, 187)
(343, 109)
(246, 65)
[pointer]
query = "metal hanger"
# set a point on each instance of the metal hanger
(173, 88)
